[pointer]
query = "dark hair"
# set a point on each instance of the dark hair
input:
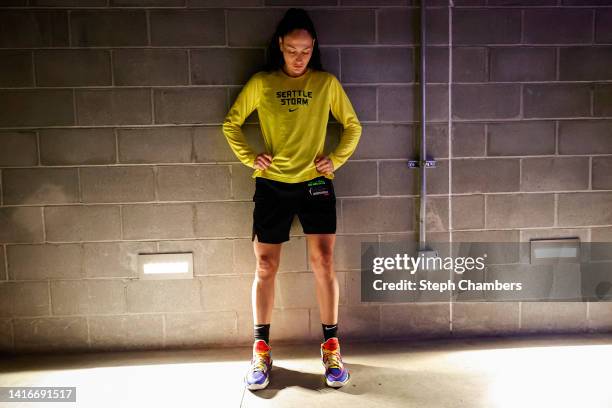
(294, 19)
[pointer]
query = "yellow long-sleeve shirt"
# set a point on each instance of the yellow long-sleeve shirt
(293, 115)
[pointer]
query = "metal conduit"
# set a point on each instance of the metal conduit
(423, 157)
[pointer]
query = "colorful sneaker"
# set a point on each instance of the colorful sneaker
(336, 375)
(258, 376)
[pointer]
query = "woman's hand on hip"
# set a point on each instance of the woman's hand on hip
(262, 161)
(324, 165)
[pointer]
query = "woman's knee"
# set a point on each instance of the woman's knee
(266, 267)
(322, 259)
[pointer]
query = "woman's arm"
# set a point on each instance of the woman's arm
(343, 111)
(246, 102)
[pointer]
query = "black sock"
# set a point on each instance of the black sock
(262, 332)
(330, 330)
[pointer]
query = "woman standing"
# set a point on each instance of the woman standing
(293, 98)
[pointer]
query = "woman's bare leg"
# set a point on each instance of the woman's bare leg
(321, 257)
(262, 294)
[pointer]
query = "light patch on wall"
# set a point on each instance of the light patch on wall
(554, 251)
(165, 266)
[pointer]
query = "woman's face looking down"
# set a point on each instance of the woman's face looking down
(296, 47)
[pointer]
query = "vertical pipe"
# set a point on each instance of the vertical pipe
(423, 198)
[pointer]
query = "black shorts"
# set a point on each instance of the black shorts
(276, 203)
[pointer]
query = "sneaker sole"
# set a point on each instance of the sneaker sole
(254, 387)
(337, 384)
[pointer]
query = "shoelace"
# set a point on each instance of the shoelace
(259, 361)
(332, 358)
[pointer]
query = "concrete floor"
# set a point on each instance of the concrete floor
(551, 371)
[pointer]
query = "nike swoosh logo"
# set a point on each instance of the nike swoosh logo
(291, 110)
(329, 328)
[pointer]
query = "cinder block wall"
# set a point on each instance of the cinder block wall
(111, 145)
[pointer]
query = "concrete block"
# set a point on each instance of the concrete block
(138, 67)
(485, 101)
(523, 64)
(468, 140)
(485, 318)
(385, 141)
(486, 26)
(417, 320)
(521, 138)
(117, 184)
(223, 219)
(485, 175)
(577, 209)
(600, 316)
(602, 173)
(363, 99)
(34, 28)
(555, 173)
(44, 261)
(114, 106)
(77, 146)
(547, 317)
(520, 210)
(156, 145)
(602, 100)
(573, 26)
(468, 211)
(24, 299)
(215, 292)
(223, 3)
(21, 224)
(470, 64)
(556, 100)
(381, 64)
(603, 25)
(169, 295)
(357, 178)
(18, 148)
(16, 69)
(44, 334)
(187, 27)
(198, 329)
(585, 63)
(72, 67)
(164, 221)
(36, 107)
(197, 183)
(108, 28)
(82, 223)
(220, 66)
(183, 106)
(377, 214)
(40, 186)
(585, 137)
(84, 297)
(6, 336)
(125, 332)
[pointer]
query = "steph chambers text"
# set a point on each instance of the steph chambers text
(449, 285)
